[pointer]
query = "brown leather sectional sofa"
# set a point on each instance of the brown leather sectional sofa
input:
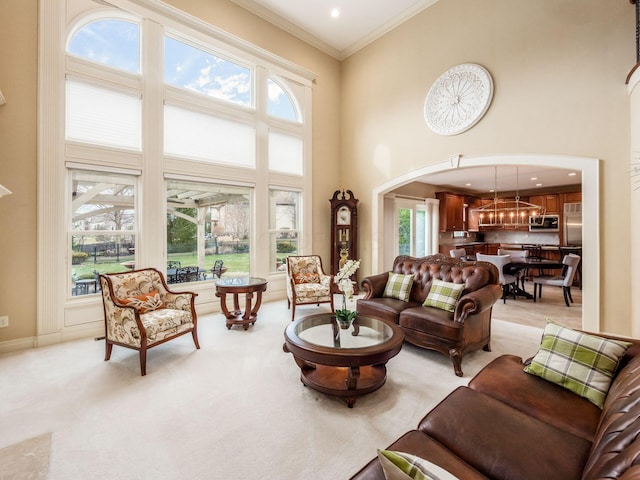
(451, 333)
(508, 424)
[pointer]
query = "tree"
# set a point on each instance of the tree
(181, 231)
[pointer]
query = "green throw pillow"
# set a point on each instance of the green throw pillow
(398, 286)
(579, 362)
(443, 295)
(402, 466)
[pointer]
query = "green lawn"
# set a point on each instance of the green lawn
(234, 262)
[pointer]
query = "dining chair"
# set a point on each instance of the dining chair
(507, 280)
(173, 264)
(459, 253)
(578, 251)
(564, 281)
(520, 273)
(217, 269)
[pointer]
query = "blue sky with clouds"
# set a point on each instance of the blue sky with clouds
(116, 43)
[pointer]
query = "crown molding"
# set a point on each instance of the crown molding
(323, 46)
(288, 27)
(386, 28)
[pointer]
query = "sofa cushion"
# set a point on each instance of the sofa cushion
(145, 302)
(434, 321)
(579, 362)
(404, 466)
(503, 443)
(423, 446)
(398, 286)
(504, 380)
(443, 295)
(386, 308)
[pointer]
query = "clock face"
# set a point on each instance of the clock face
(344, 216)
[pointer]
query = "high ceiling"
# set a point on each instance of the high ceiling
(359, 21)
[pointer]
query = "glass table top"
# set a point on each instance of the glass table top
(240, 281)
(319, 330)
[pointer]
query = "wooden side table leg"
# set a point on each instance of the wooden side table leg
(223, 305)
(236, 304)
(256, 307)
(248, 297)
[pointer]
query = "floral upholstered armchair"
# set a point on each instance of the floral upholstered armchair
(307, 282)
(141, 312)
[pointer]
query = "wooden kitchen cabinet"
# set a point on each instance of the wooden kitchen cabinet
(451, 211)
(473, 218)
(575, 197)
(551, 202)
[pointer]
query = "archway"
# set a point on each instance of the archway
(590, 222)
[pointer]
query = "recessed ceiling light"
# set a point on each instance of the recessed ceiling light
(533, 179)
(492, 190)
(538, 184)
(572, 174)
(335, 13)
(467, 184)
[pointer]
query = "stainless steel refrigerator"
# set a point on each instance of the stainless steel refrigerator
(573, 223)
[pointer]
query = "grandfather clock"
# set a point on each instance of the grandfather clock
(344, 229)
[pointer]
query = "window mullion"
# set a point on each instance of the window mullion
(152, 213)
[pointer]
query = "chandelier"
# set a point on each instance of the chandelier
(506, 212)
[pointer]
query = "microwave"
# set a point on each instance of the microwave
(544, 223)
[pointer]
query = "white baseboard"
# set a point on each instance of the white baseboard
(18, 344)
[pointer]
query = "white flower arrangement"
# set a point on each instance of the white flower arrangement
(343, 280)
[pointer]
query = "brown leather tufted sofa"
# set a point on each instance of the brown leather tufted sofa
(451, 333)
(509, 425)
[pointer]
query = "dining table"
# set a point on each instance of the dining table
(517, 265)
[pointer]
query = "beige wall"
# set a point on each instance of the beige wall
(18, 133)
(558, 69)
(18, 137)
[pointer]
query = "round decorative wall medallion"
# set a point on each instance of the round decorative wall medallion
(458, 99)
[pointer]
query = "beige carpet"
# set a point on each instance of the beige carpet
(234, 409)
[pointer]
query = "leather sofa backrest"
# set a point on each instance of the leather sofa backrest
(474, 275)
(616, 448)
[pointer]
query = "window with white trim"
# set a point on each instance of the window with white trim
(102, 234)
(284, 226)
(195, 104)
(207, 223)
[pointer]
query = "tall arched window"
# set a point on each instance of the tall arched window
(281, 103)
(111, 42)
(175, 135)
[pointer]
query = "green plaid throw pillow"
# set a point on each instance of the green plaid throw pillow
(402, 466)
(398, 286)
(581, 363)
(443, 295)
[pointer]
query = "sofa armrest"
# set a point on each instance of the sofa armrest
(477, 301)
(373, 285)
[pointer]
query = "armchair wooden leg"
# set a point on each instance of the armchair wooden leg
(293, 310)
(143, 361)
(108, 346)
(194, 334)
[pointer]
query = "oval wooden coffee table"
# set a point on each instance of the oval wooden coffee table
(322, 351)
